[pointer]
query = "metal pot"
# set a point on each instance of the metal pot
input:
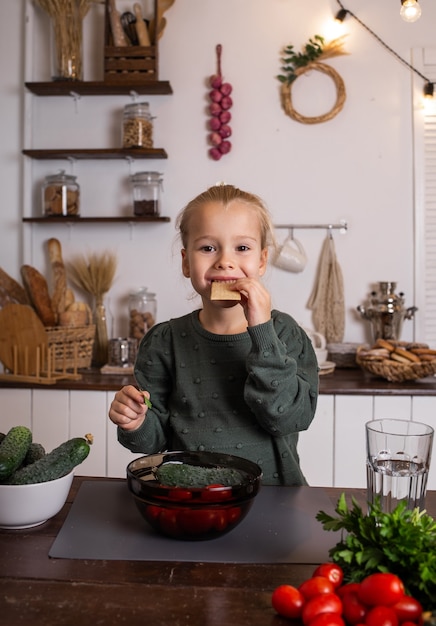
(386, 312)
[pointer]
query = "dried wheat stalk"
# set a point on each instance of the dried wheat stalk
(94, 273)
(67, 17)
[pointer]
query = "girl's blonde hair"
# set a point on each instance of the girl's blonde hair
(226, 194)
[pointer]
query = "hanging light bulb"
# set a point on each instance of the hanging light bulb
(429, 90)
(410, 10)
(341, 15)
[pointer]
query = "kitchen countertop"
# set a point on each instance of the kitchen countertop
(43, 591)
(340, 382)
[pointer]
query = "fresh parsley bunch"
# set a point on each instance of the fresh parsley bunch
(402, 542)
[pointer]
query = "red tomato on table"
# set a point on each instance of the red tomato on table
(380, 589)
(408, 609)
(331, 571)
(287, 601)
(314, 586)
(327, 619)
(323, 603)
(353, 610)
(381, 616)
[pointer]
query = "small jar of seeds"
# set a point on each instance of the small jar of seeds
(137, 126)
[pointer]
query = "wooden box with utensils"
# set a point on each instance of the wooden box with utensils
(130, 62)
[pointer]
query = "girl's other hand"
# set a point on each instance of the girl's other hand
(128, 408)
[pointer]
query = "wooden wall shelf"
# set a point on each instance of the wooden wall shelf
(98, 88)
(81, 220)
(97, 153)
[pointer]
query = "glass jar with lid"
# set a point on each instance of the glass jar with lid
(137, 126)
(61, 195)
(147, 187)
(142, 312)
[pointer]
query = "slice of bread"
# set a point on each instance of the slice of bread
(220, 291)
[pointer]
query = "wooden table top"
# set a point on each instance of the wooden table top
(40, 591)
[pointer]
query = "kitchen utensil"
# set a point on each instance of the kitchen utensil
(157, 25)
(198, 512)
(141, 26)
(23, 339)
(386, 312)
(116, 27)
(318, 340)
(291, 255)
(128, 21)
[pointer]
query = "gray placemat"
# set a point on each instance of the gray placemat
(104, 523)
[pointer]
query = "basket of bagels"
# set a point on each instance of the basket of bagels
(397, 361)
(67, 323)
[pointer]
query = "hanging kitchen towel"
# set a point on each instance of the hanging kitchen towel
(327, 298)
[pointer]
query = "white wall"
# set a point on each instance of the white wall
(356, 167)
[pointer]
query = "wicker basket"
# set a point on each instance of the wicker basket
(72, 346)
(394, 371)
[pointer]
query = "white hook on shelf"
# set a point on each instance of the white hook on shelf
(76, 97)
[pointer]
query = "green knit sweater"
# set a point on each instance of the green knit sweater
(247, 394)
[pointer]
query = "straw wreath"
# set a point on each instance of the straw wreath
(297, 64)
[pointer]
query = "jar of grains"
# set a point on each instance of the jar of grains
(147, 187)
(60, 195)
(137, 126)
(142, 312)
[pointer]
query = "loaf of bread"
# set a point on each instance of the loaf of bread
(11, 292)
(59, 293)
(38, 294)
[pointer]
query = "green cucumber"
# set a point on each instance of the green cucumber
(35, 452)
(13, 450)
(55, 464)
(185, 475)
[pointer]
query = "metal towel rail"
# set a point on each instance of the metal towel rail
(342, 226)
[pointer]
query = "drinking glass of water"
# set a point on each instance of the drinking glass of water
(398, 461)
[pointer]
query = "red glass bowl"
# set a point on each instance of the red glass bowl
(193, 513)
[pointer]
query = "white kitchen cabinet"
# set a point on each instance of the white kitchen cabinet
(351, 415)
(424, 410)
(392, 407)
(316, 445)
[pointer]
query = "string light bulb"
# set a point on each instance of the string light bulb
(428, 90)
(410, 10)
(341, 15)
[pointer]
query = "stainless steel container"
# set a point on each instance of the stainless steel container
(122, 351)
(386, 312)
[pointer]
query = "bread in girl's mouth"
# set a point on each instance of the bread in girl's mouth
(220, 290)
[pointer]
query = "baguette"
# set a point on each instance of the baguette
(59, 293)
(11, 291)
(37, 291)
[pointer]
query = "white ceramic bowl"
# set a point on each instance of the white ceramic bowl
(24, 506)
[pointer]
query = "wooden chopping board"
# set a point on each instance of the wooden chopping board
(21, 327)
